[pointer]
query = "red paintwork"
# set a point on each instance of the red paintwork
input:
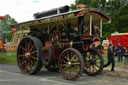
(48, 43)
(119, 38)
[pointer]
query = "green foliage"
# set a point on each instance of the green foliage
(117, 10)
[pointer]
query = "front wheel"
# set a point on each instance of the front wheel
(94, 62)
(71, 64)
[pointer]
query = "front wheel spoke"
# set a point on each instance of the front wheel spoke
(97, 65)
(73, 57)
(87, 69)
(95, 68)
(92, 68)
(76, 63)
(65, 62)
(65, 65)
(93, 57)
(96, 59)
(89, 57)
(67, 58)
(86, 58)
(98, 62)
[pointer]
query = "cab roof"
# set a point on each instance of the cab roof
(96, 14)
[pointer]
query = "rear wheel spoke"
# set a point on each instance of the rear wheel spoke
(22, 55)
(29, 46)
(23, 49)
(24, 62)
(32, 47)
(33, 52)
(26, 66)
(34, 57)
(30, 66)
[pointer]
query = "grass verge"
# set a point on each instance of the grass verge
(8, 58)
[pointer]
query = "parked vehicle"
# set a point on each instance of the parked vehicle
(121, 38)
(63, 40)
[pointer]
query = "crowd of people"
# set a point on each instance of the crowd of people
(120, 53)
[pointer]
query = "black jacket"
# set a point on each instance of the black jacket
(110, 54)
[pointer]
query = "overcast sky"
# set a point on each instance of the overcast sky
(23, 10)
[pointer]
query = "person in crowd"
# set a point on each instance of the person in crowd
(120, 52)
(126, 56)
(110, 57)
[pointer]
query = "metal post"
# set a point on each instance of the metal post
(48, 29)
(90, 25)
(80, 25)
(101, 27)
(58, 11)
(22, 30)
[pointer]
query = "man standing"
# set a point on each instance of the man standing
(110, 57)
(126, 56)
(120, 52)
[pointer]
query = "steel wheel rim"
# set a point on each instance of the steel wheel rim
(27, 56)
(93, 63)
(67, 63)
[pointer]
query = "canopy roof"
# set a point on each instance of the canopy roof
(71, 16)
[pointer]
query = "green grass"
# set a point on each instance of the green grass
(8, 58)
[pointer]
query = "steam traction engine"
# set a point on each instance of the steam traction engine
(64, 41)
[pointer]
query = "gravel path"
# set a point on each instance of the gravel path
(11, 75)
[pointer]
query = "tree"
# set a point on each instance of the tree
(116, 9)
(5, 24)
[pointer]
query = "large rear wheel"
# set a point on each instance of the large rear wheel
(94, 62)
(71, 64)
(29, 55)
